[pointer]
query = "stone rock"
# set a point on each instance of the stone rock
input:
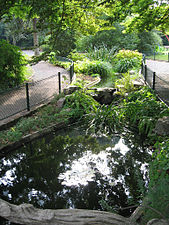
(158, 222)
(60, 103)
(104, 95)
(162, 126)
(69, 90)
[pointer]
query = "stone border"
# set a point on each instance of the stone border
(29, 137)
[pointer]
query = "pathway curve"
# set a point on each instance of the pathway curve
(44, 69)
(160, 67)
(44, 86)
(162, 79)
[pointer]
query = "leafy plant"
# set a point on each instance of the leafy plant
(104, 69)
(76, 56)
(103, 54)
(12, 67)
(157, 198)
(126, 60)
(125, 84)
(106, 120)
(159, 168)
(81, 104)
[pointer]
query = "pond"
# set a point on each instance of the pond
(68, 169)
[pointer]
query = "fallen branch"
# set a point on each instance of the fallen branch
(27, 214)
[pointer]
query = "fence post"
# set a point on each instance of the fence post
(145, 75)
(71, 72)
(154, 76)
(59, 79)
(27, 97)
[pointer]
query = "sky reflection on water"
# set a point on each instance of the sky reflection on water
(73, 170)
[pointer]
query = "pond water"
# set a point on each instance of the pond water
(68, 169)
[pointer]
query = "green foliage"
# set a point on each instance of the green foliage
(126, 60)
(157, 203)
(142, 110)
(102, 54)
(125, 83)
(11, 66)
(63, 42)
(158, 194)
(104, 69)
(137, 113)
(159, 168)
(81, 104)
(75, 56)
(58, 61)
(148, 42)
(106, 120)
(114, 39)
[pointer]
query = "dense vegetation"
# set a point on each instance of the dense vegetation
(12, 69)
(110, 34)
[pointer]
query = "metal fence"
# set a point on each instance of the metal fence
(156, 82)
(25, 97)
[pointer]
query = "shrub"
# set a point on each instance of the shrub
(114, 38)
(75, 56)
(126, 60)
(104, 69)
(11, 65)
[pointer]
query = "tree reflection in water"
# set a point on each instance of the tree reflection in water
(75, 171)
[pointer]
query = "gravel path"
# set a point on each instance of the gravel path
(43, 86)
(44, 70)
(161, 68)
(162, 78)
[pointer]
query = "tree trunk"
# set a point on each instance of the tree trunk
(35, 37)
(27, 214)
(13, 40)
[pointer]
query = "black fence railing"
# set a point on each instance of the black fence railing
(29, 95)
(156, 82)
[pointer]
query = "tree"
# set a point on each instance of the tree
(59, 16)
(143, 14)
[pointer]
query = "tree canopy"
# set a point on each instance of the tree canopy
(141, 14)
(84, 15)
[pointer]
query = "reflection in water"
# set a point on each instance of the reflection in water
(75, 171)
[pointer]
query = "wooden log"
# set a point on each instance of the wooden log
(29, 215)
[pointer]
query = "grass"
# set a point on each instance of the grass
(163, 57)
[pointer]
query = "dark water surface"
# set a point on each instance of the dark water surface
(69, 169)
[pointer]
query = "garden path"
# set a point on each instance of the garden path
(14, 102)
(160, 67)
(44, 69)
(162, 78)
